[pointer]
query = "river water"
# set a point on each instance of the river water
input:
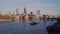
(25, 27)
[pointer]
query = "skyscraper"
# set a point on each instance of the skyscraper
(38, 12)
(25, 10)
(17, 11)
(37, 15)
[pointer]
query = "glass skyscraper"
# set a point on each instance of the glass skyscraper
(25, 10)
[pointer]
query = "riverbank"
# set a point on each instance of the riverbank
(3, 20)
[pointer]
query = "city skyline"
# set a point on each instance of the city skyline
(51, 7)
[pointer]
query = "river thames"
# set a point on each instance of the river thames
(25, 27)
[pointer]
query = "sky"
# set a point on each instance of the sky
(50, 7)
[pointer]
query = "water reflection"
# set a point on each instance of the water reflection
(24, 27)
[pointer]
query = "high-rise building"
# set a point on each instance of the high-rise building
(31, 13)
(25, 10)
(9, 13)
(37, 15)
(0, 13)
(38, 12)
(17, 11)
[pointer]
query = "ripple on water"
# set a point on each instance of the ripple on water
(24, 28)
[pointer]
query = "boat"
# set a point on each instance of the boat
(34, 23)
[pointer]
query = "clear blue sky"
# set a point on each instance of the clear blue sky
(45, 6)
